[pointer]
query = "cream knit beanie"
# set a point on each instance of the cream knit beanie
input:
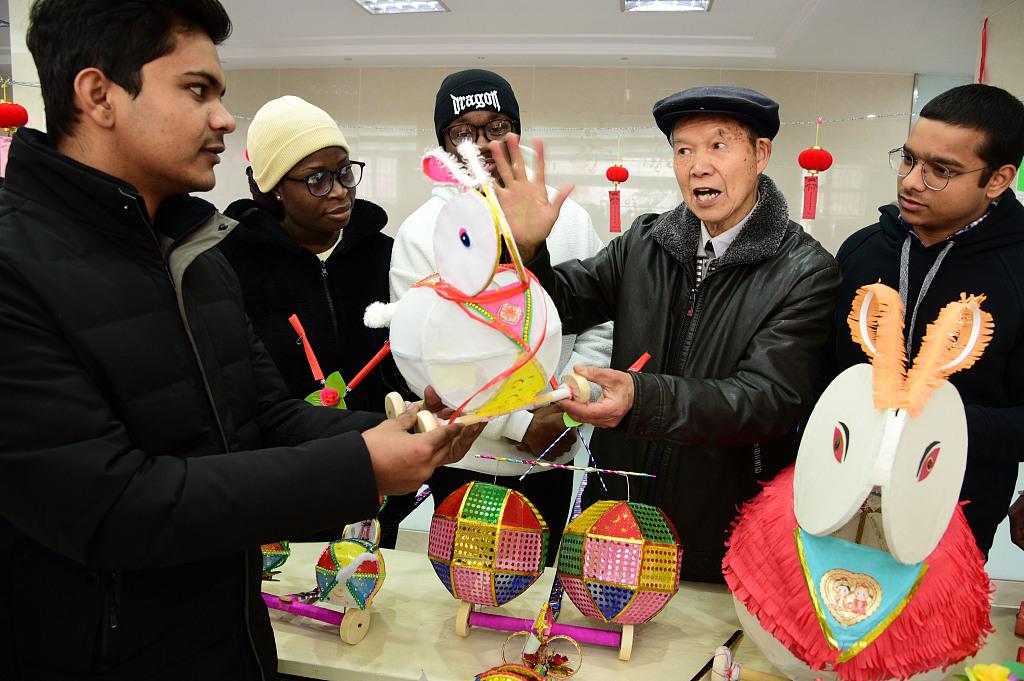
(283, 132)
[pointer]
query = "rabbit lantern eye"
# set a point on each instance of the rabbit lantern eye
(931, 454)
(840, 442)
(466, 246)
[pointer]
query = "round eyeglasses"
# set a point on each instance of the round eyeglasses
(321, 182)
(935, 175)
(495, 131)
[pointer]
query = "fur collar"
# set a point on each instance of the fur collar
(678, 231)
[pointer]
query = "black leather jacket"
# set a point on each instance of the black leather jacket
(732, 362)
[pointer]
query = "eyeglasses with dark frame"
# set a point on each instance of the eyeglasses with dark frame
(321, 182)
(902, 163)
(495, 131)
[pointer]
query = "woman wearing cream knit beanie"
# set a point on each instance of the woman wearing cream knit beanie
(306, 246)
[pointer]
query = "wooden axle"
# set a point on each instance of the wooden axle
(573, 386)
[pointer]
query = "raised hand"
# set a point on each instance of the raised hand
(529, 212)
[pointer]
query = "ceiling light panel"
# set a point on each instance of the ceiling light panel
(666, 5)
(401, 6)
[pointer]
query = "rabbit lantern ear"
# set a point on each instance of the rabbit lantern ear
(903, 432)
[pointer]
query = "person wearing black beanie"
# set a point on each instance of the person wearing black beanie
(480, 106)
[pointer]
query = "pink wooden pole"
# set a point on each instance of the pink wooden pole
(599, 637)
(305, 609)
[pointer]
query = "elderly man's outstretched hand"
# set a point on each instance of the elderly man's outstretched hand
(525, 203)
(616, 399)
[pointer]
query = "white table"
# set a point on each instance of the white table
(412, 630)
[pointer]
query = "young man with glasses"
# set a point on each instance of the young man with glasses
(956, 227)
(147, 443)
(480, 106)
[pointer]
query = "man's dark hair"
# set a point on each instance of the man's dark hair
(117, 37)
(993, 111)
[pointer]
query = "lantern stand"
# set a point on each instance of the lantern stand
(468, 617)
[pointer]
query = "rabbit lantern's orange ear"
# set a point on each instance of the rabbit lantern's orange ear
(904, 432)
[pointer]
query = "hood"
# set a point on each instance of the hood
(1000, 228)
(257, 226)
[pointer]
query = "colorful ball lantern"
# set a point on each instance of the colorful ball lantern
(350, 573)
(274, 556)
(620, 561)
(487, 543)
(615, 174)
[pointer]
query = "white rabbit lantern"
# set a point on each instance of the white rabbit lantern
(820, 606)
(486, 336)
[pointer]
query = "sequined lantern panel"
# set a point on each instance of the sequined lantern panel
(487, 543)
(620, 561)
(350, 573)
(274, 556)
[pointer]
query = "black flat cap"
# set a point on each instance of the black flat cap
(743, 104)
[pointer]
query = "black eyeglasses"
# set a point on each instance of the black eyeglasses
(935, 175)
(495, 131)
(321, 182)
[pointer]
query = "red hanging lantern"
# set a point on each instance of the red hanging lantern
(615, 174)
(814, 161)
(11, 115)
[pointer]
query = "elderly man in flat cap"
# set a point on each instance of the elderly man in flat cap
(729, 296)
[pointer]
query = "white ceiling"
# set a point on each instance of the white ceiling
(930, 37)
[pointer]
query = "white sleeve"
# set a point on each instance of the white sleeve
(573, 238)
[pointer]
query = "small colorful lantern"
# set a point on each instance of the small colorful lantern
(487, 543)
(350, 573)
(620, 561)
(814, 160)
(274, 556)
(615, 175)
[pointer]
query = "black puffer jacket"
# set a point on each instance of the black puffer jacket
(731, 369)
(147, 445)
(280, 278)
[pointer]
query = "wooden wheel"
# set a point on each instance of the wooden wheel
(425, 422)
(626, 642)
(462, 624)
(354, 626)
(394, 405)
(580, 387)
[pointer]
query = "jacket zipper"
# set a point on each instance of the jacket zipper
(106, 658)
(330, 303)
(658, 451)
(112, 622)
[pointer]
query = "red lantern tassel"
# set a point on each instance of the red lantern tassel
(810, 196)
(616, 218)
